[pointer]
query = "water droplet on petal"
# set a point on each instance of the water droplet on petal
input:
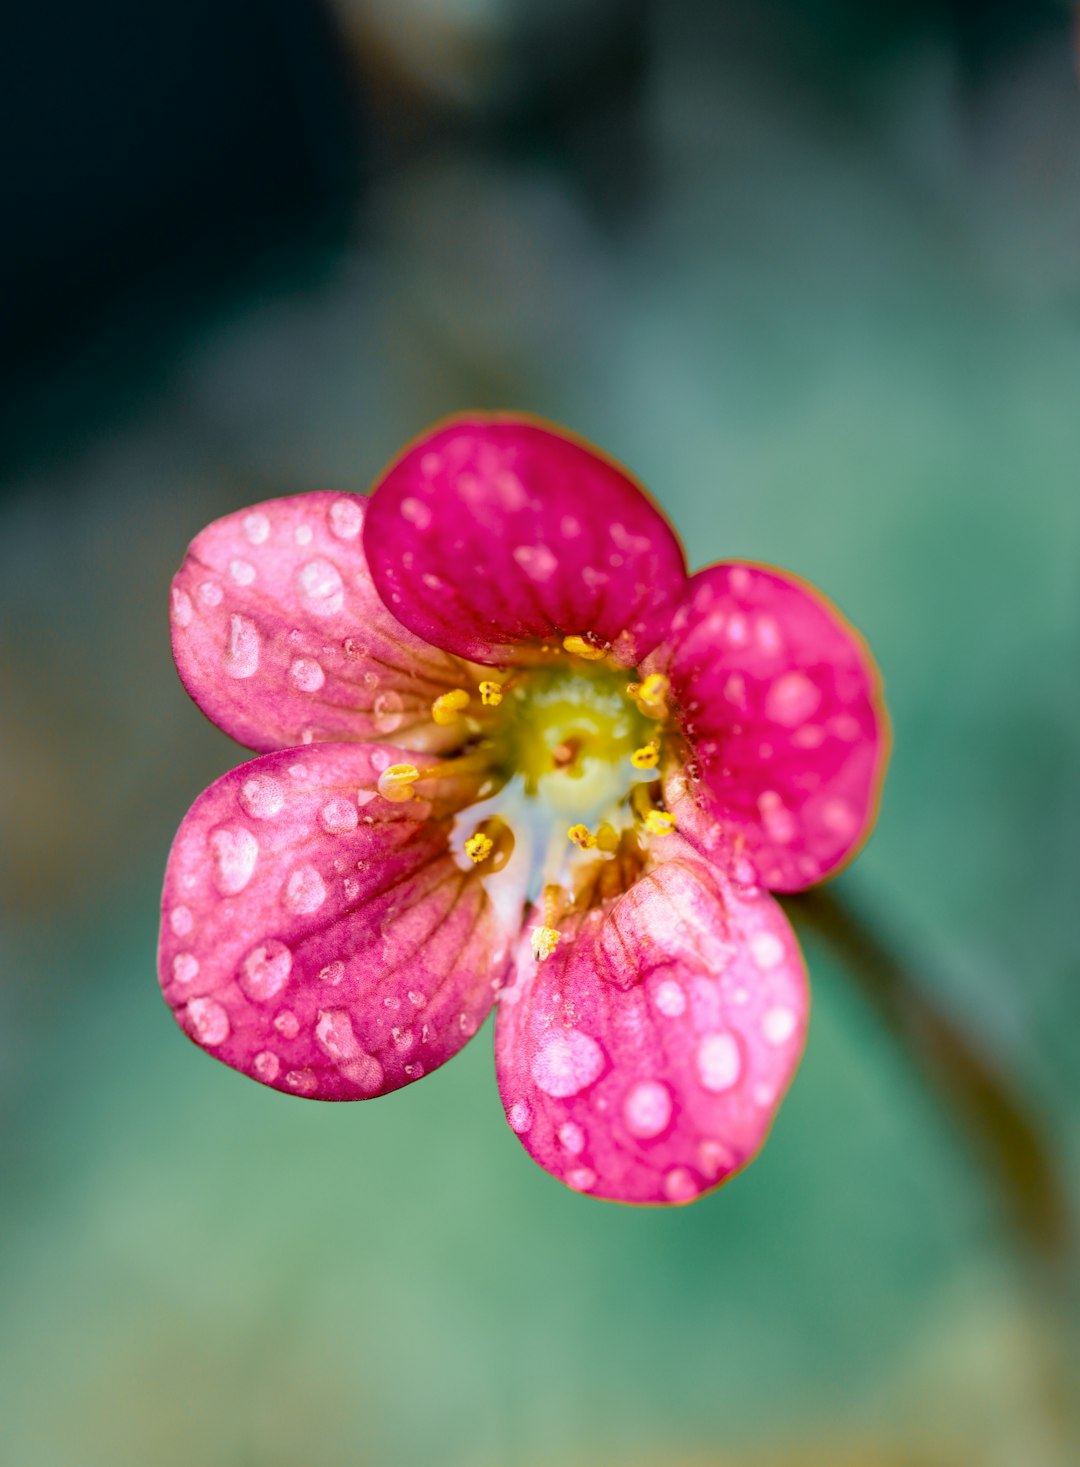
(265, 970)
(791, 700)
(181, 920)
(416, 512)
(262, 796)
(582, 1179)
(242, 651)
(647, 1109)
(669, 998)
(242, 572)
(304, 1082)
(333, 973)
(537, 561)
(567, 1063)
(209, 1021)
(307, 674)
(346, 519)
(766, 949)
(520, 1116)
(266, 1065)
(234, 851)
(185, 967)
(572, 1137)
(256, 527)
(287, 1024)
(719, 1062)
(339, 815)
(181, 607)
(305, 891)
(680, 1185)
(778, 1025)
(321, 589)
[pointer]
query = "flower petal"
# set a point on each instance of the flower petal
(645, 1059)
(493, 531)
(781, 703)
(281, 638)
(322, 939)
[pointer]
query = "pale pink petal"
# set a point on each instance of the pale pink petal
(645, 1059)
(491, 535)
(781, 703)
(281, 638)
(323, 940)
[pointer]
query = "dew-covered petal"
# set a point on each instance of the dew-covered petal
(645, 1059)
(281, 638)
(322, 939)
(493, 532)
(781, 703)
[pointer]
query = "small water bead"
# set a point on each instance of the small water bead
(417, 999)
(582, 1179)
(185, 966)
(256, 527)
(346, 519)
(322, 591)
(404, 1039)
(467, 1024)
(210, 593)
(669, 998)
(778, 1025)
(287, 1024)
(713, 1158)
(233, 851)
(339, 816)
(537, 561)
(838, 817)
(416, 512)
(414, 1070)
(792, 699)
(519, 1116)
(182, 608)
(680, 1184)
(303, 534)
(736, 630)
(307, 675)
(387, 711)
(779, 822)
(767, 634)
(305, 891)
(209, 1021)
(333, 973)
(718, 1060)
(242, 572)
(241, 658)
(181, 920)
(647, 1109)
(351, 888)
(266, 1065)
(265, 971)
(766, 949)
(262, 796)
(304, 1082)
(572, 1138)
(566, 1063)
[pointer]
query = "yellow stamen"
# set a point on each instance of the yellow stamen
(607, 838)
(659, 822)
(544, 942)
(647, 757)
(448, 707)
(491, 694)
(479, 847)
(396, 783)
(582, 837)
(651, 695)
(579, 647)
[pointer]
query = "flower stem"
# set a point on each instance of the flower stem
(1005, 1133)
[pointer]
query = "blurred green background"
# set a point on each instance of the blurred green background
(813, 271)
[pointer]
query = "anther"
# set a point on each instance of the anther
(396, 783)
(647, 757)
(544, 942)
(479, 847)
(448, 707)
(582, 837)
(491, 694)
(580, 647)
(659, 822)
(651, 695)
(607, 838)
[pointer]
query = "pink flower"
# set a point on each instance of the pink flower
(513, 753)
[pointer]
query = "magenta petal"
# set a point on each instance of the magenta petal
(781, 702)
(321, 939)
(493, 531)
(281, 638)
(645, 1059)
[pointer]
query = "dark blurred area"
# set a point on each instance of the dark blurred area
(812, 269)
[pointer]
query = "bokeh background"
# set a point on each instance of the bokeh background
(812, 269)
